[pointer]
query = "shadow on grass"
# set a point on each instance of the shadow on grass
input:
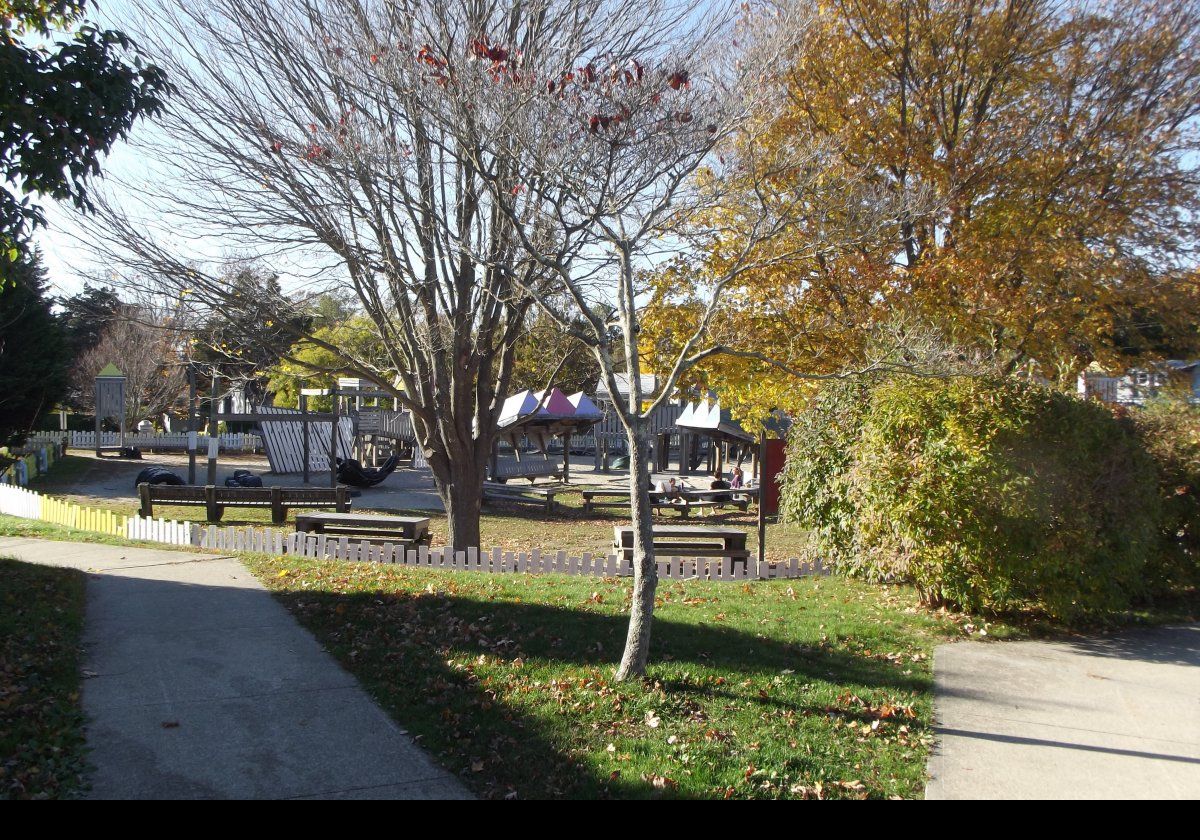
(439, 664)
(41, 723)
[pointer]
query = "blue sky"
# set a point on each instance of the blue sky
(65, 256)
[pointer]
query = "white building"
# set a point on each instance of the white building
(1140, 384)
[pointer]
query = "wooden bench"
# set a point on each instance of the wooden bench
(216, 499)
(404, 531)
(688, 541)
(593, 499)
(531, 470)
(534, 495)
(697, 499)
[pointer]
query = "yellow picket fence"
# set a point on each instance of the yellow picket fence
(71, 515)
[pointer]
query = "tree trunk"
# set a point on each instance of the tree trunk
(461, 491)
(645, 571)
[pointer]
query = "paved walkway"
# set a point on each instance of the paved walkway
(1109, 717)
(200, 685)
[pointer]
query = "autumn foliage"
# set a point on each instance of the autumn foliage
(1043, 157)
(989, 494)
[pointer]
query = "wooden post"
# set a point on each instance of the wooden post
(278, 514)
(333, 437)
(192, 425)
(304, 426)
(147, 508)
(210, 503)
(762, 517)
(214, 409)
(214, 446)
(685, 452)
(566, 458)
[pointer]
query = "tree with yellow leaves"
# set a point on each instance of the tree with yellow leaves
(1054, 147)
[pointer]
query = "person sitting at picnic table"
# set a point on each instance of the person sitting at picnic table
(719, 483)
(671, 489)
(736, 479)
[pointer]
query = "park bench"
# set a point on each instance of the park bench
(534, 495)
(216, 499)
(687, 541)
(531, 470)
(407, 532)
(594, 498)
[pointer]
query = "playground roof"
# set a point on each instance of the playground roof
(552, 414)
(649, 384)
(708, 418)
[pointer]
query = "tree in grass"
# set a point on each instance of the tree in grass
(148, 343)
(84, 317)
(306, 138)
(64, 106)
(458, 164)
(34, 357)
(1059, 145)
(616, 141)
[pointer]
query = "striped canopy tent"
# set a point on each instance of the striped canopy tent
(542, 416)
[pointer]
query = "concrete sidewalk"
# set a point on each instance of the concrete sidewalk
(200, 685)
(1111, 717)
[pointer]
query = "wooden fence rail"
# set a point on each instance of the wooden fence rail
(27, 504)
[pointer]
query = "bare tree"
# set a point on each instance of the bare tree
(460, 161)
(148, 346)
(617, 139)
(310, 133)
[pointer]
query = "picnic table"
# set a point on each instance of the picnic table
(687, 501)
(688, 541)
(543, 495)
(407, 531)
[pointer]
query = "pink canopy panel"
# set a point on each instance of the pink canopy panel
(553, 413)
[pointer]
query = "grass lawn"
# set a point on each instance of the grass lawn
(64, 473)
(42, 752)
(780, 689)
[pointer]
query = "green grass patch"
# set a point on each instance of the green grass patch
(42, 753)
(779, 689)
(63, 474)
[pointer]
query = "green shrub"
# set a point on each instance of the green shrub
(1170, 432)
(987, 494)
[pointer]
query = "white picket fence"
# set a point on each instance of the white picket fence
(17, 501)
(27, 504)
(158, 440)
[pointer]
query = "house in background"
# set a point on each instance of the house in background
(663, 419)
(1138, 385)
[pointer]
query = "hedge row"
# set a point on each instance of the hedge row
(994, 495)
